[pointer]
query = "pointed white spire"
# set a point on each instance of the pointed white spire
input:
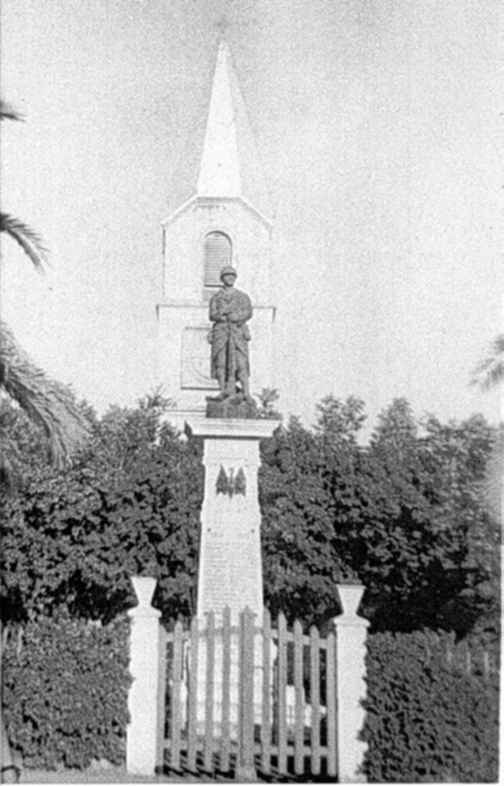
(229, 163)
(219, 173)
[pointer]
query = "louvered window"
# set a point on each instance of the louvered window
(218, 252)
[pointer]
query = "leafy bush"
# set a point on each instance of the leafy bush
(129, 505)
(404, 514)
(427, 719)
(65, 691)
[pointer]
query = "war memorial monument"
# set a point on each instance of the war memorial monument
(216, 349)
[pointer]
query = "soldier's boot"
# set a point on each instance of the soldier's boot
(221, 379)
(244, 382)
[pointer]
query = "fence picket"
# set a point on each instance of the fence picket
(299, 702)
(209, 635)
(331, 655)
(161, 695)
(282, 733)
(245, 768)
(266, 695)
(193, 697)
(282, 706)
(226, 677)
(177, 676)
(315, 700)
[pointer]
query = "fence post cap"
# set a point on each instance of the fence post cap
(144, 587)
(350, 596)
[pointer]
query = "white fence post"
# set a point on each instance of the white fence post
(351, 631)
(142, 699)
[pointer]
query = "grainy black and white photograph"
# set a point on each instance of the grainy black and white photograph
(251, 387)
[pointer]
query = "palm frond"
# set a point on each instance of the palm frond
(490, 371)
(47, 403)
(26, 237)
(8, 113)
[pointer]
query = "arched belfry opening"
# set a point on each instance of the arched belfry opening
(217, 252)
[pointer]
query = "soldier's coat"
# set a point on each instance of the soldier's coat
(230, 334)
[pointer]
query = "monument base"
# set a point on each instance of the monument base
(237, 406)
(230, 570)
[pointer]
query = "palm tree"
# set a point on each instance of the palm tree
(489, 373)
(29, 241)
(47, 403)
(20, 232)
(7, 112)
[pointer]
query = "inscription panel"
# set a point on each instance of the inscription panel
(231, 565)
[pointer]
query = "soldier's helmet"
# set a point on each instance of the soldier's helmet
(227, 270)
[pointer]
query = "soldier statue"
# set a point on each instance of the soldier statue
(229, 312)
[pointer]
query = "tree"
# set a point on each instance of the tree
(20, 232)
(129, 504)
(340, 421)
(309, 495)
(428, 522)
(48, 403)
(489, 373)
(24, 447)
(405, 515)
(300, 563)
(25, 237)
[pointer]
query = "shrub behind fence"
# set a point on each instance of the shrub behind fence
(65, 691)
(432, 712)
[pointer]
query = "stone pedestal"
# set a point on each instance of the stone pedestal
(230, 567)
(230, 570)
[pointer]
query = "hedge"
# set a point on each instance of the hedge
(427, 719)
(65, 691)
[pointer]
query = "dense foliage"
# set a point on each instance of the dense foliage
(128, 505)
(78, 713)
(404, 514)
(427, 719)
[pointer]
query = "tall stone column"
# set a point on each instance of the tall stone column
(230, 564)
(230, 568)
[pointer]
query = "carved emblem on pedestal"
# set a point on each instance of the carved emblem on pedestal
(231, 484)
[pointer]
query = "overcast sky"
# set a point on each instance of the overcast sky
(381, 130)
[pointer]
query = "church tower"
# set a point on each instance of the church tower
(227, 220)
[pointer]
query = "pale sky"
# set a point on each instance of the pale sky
(380, 126)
